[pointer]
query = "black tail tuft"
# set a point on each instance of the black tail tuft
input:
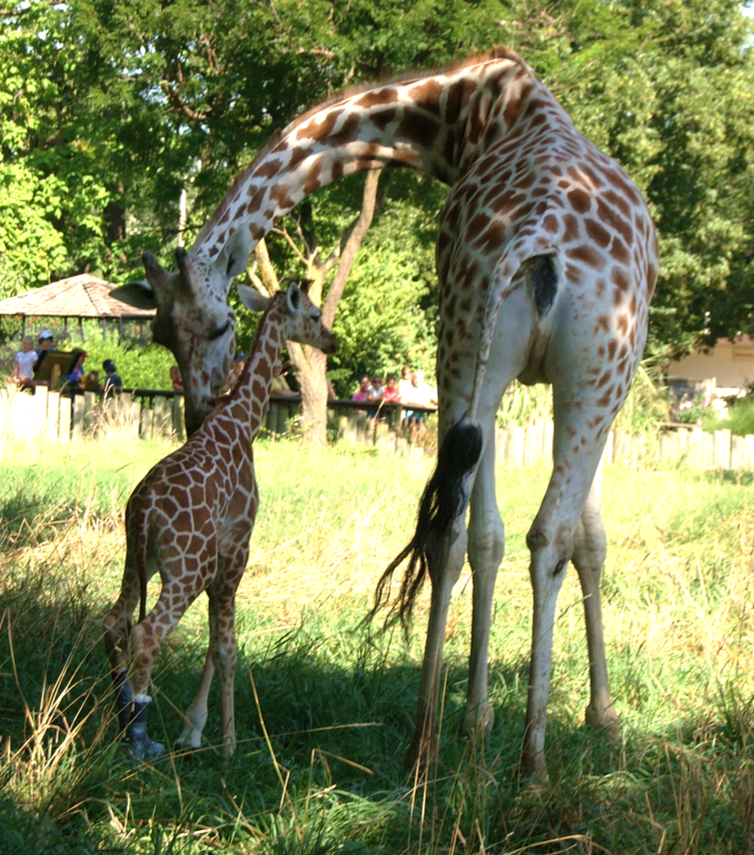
(443, 500)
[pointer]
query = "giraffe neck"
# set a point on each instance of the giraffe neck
(249, 398)
(435, 124)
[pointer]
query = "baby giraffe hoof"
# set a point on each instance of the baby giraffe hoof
(139, 744)
(145, 749)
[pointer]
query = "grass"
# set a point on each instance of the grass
(325, 705)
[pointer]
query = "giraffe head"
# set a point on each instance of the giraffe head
(193, 319)
(303, 319)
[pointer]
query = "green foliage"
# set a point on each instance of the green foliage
(140, 365)
(647, 404)
(104, 124)
(386, 317)
(522, 405)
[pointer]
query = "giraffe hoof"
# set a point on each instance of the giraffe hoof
(606, 719)
(480, 719)
(420, 752)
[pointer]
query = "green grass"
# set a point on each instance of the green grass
(325, 705)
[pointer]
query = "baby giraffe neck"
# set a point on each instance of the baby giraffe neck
(251, 395)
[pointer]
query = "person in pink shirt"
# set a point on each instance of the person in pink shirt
(362, 393)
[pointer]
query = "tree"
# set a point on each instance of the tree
(310, 362)
(54, 153)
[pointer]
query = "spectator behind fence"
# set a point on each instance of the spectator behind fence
(74, 377)
(391, 393)
(404, 384)
(113, 383)
(91, 381)
(44, 343)
(362, 393)
(24, 362)
(175, 378)
(376, 389)
(236, 367)
(421, 394)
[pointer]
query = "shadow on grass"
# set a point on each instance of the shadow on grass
(319, 762)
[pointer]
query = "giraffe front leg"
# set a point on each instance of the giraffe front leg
(222, 627)
(117, 629)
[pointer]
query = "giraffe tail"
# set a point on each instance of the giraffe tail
(443, 500)
(142, 551)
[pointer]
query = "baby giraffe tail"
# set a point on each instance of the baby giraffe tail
(443, 500)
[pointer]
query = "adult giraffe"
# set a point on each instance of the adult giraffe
(538, 223)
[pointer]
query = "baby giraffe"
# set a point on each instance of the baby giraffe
(190, 520)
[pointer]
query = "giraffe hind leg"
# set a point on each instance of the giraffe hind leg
(117, 630)
(146, 640)
(590, 549)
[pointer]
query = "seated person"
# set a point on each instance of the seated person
(74, 377)
(113, 383)
(421, 394)
(376, 389)
(91, 382)
(362, 393)
(24, 362)
(44, 343)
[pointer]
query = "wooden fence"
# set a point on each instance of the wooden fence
(64, 418)
(150, 414)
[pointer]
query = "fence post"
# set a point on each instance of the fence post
(145, 423)
(64, 408)
(162, 418)
(179, 425)
(722, 448)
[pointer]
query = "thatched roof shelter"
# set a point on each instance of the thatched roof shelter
(81, 296)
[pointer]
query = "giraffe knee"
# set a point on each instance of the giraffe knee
(549, 554)
(487, 547)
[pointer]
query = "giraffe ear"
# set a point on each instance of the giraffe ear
(137, 294)
(252, 299)
(293, 298)
(234, 255)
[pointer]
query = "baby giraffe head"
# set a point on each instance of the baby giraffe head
(303, 318)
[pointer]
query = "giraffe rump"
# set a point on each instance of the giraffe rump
(444, 498)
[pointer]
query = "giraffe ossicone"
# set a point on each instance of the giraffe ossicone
(547, 259)
(190, 519)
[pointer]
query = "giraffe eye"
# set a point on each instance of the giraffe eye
(220, 331)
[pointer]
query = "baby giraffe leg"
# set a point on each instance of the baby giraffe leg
(146, 640)
(117, 626)
(195, 716)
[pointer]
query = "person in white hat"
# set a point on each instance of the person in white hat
(45, 343)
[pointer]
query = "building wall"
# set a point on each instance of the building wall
(729, 363)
